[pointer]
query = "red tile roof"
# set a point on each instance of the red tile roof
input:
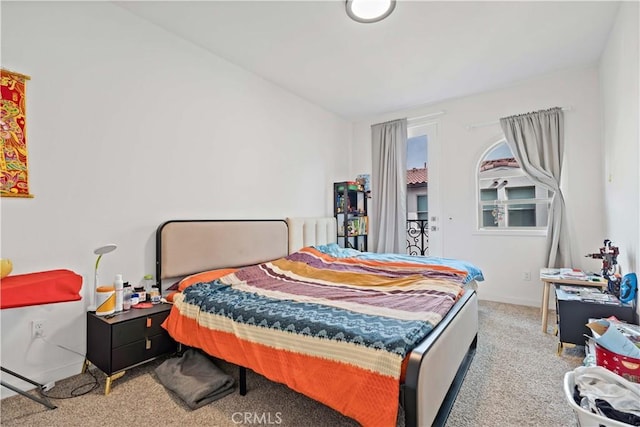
(417, 176)
(504, 163)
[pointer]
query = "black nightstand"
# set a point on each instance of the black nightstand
(574, 312)
(128, 339)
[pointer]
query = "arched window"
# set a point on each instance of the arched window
(507, 198)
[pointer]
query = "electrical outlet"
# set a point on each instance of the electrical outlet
(37, 328)
(526, 275)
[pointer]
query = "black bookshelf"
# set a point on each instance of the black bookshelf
(350, 210)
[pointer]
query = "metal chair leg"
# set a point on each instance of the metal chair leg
(43, 401)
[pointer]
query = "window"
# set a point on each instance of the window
(522, 215)
(507, 198)
(489, 213)
(423, 210)
(417, 186)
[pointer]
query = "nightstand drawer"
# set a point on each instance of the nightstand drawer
(141, 350)
(132, 330)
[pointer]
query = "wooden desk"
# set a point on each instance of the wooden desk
(547, 282)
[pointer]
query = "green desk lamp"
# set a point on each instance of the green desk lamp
(100, 251)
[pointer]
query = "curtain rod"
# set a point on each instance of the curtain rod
(426, 116)
(496, 122)
(409, 119)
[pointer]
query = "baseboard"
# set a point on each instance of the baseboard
(509, 300)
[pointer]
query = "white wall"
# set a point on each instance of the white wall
(619, 75)
(504, 258)
(129, 126)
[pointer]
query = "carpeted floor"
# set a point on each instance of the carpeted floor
(515, 379)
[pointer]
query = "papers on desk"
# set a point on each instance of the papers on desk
(571, 293)
(587, 294)
(569, 273)
(563, 273)
(550, 272)
(601, 298)
(572, 289)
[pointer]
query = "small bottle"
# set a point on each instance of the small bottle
(118, 284)
(134, 299)
(148, 283)
(154, 295)
(126, 296)
(142, 295)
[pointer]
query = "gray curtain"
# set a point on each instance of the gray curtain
(389, 186)
(537, 142)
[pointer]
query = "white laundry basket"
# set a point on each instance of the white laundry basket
(586, 418)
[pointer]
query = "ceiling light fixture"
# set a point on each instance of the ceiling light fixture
(367, 11)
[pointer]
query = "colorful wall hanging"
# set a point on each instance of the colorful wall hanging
(14, 181)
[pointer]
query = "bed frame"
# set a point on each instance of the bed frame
(185, 247)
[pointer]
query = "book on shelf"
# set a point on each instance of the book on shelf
(357, 226)
(363, 225)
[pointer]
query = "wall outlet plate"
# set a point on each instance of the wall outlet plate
(37, 328)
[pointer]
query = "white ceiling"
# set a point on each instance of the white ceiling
(426, 51)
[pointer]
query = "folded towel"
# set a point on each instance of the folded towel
(194, 378)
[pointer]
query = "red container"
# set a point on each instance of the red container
(626, 367)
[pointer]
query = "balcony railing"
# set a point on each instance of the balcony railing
(418, 237)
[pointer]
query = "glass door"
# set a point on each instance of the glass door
(424, 235)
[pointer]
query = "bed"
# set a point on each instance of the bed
(365, 372)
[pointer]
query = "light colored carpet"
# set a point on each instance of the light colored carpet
(515, 379)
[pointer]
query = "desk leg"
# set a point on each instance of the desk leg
(545, 305)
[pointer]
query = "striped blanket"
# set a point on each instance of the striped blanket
(333, 327)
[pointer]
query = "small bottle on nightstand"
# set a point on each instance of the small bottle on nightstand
(118, 285)
(154, 295)
(142, 295)
(148, 284)
(126, 296)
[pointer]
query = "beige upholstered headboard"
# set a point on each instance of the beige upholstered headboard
(311, 231)
(186, 247)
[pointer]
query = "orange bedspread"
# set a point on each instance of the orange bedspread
(339, 385)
